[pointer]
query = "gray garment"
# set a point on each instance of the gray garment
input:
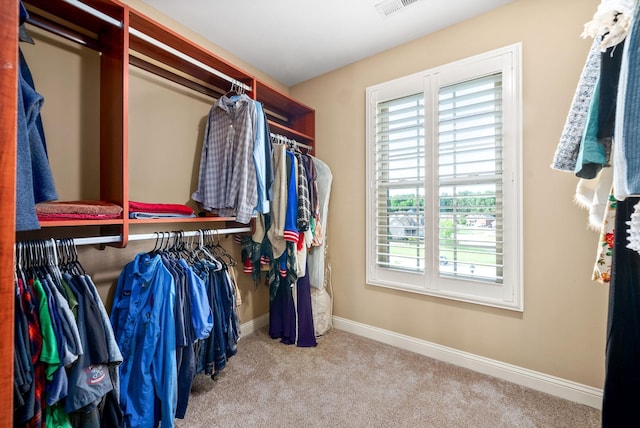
(567, 151)
(315, 260)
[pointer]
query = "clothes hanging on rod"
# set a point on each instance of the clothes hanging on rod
(317, 264)
(175, 309)
(66, 355)
(97, 240)
(263, 159)
(233, 176)
(293, 144)
(283, 239)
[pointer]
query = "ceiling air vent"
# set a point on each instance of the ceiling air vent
(387, 7)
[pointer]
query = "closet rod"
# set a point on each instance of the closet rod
(157, 43)
(54, 28)
(187, 58)
(147, 236)
(289, 140)
(94, 12)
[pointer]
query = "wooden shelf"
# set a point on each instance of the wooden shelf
(290, 133)
(72, 222)
(181, 220)
(287, 116)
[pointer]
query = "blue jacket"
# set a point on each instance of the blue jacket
(144, 324)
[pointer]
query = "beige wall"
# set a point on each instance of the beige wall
(562, 329)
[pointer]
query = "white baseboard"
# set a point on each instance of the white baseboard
(253, 325)
(558, 387)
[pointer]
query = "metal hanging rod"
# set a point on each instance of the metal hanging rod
(147, 236)
(157, 43)
(284, 139)
(187, 58)
(94, 12)
(57, 29)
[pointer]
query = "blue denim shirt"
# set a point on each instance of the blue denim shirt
(144, 325)
(201, 315)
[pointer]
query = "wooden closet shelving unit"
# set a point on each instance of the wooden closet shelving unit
(124, 37)
(8, 136)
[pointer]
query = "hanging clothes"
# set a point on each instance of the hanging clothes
(612, 124)
(611, 21)
(144, 323)
(282, 312)
(622, 371)
(281, 240)
(317, 266)
(227, 178)
(566, 155)
(174, 315)
(275, 232)
(214, 351)
(317, 254)
(262, 157)
(626, 180)
(65, 355)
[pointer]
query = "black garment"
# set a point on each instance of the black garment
(110, 413)
(621, 400)
(608, 91)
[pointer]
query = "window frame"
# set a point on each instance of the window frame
(509, 294)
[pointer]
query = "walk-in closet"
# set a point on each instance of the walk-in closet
(321, 214)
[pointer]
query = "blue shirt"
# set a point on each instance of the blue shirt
(201, 315)
(260, 160)
(144, 325)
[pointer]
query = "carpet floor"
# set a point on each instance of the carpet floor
(351, 381)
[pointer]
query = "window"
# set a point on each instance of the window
(443, 169)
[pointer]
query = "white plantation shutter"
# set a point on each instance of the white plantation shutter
(400, 173)
(443, 181)
(470, 178)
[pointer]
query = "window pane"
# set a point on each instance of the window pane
(470, 177)
(400, 172)
(443, 190)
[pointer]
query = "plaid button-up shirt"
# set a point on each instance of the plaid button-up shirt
(227, 180)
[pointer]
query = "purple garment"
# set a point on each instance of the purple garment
(306, 331)
(282, 314)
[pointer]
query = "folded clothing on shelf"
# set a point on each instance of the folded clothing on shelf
(150, 210)
(77, 210)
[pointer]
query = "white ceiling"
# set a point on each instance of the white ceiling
(296, 40)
